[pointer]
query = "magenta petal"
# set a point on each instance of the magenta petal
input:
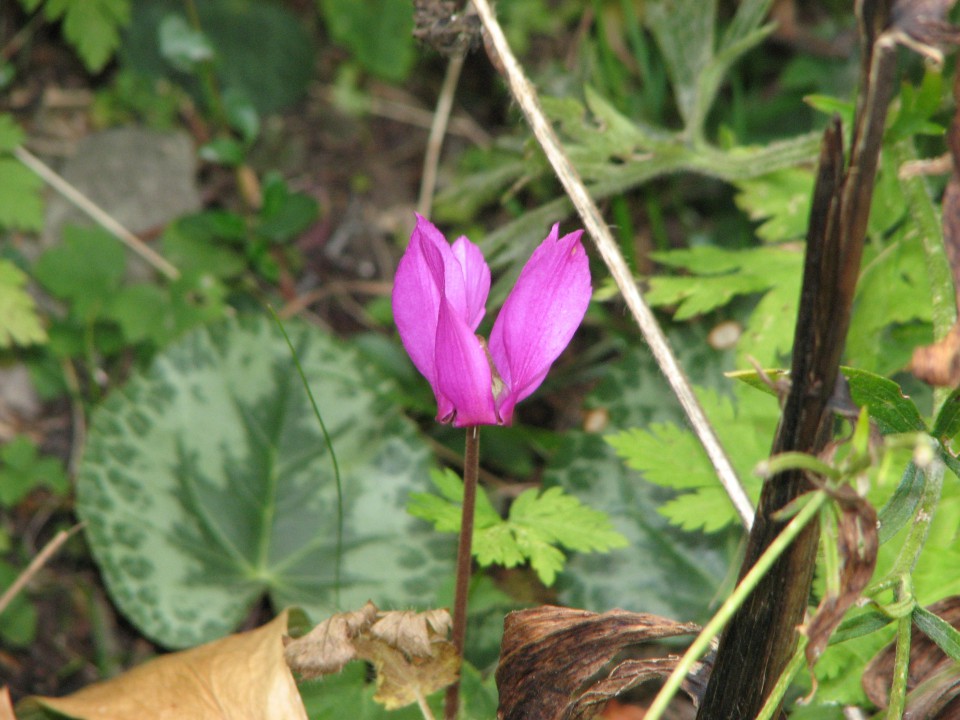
(463, 372)
(417, 288)
(540, 317)
(476, 281)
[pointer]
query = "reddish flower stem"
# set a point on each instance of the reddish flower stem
(471, 467)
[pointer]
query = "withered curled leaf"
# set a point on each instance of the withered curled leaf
(550, 653)
(329, 646)
(409, 651)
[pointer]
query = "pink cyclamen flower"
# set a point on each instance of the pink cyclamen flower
(439, 295)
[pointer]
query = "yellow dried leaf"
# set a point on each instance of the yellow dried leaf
(238, 677)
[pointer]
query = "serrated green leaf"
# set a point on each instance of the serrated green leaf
(893, 411)
(537, 522)
(86, 268)
(19, 322)
(20, 204)
(206, 485)
(780, 201)
(893, 288)
(672, 457)
(92, 27)
(721, 275)
(562, 519)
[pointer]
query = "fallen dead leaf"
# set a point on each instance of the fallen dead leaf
(410, 651)
(550, 653)
(238, 677)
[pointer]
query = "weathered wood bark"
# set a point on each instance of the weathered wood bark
(762, 636)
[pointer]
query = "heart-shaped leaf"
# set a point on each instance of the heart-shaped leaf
(206, 484)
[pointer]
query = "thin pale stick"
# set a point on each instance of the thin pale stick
(424, 706)
(471, 463)
(438, 129)
(56, 542)
(526, 97)
(96, 213)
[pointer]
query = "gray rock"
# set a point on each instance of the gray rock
(141, 177)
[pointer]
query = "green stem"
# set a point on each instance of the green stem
(471, 467)
(901, 667)
(772, 705)
(733, 603)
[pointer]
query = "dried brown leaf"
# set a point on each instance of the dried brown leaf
(403, 678)
(409, 650)
(549, 653)
(414, 633)
(857, 543)
(242, 676)
(329, 646)
(933, 681)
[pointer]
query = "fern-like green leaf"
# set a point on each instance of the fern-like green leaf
(19, 322)
(92, 27)
(671, 456)
(539, 525)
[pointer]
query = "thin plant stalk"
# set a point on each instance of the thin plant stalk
(733, 603)
(471, 467)
(526, 96)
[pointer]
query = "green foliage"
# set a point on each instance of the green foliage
(260, 49)
(86, 270)
(19, 323)
(781, 200)
(538, 525)
(22, 470)
(721, 275)
(697, 64)
(136, 98)
(671, 456)
(91, 26)
(104, 313)
(206, 485)
(350, 694)
(20, 204)
(377, 32)
(18, 622)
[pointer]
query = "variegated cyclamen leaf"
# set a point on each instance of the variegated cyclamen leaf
(206, 485)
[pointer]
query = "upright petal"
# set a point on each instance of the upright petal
(417, 289)
(463, 372)
(539, 317)
(476, 281)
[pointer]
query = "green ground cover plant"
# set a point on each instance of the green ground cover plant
(231, 451)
